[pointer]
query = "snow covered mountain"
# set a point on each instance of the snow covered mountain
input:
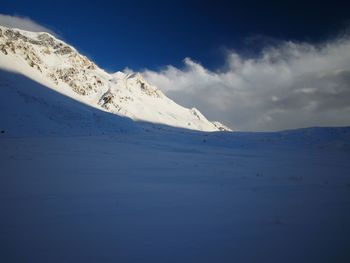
(95, 186)
(57, 65)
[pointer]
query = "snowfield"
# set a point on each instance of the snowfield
(176, 197)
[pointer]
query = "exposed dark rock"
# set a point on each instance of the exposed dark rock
(3, 49)
(9, 34)
(34, 42)
(149, 90)
(47, 39)
(64, 50)
(107, 99)
(91, 66)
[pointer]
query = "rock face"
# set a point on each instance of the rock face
(220, 126)
(59, 66)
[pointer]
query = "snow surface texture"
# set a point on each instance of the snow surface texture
(54, 64)
(177, 197)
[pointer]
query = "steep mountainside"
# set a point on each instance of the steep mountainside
(54, 64)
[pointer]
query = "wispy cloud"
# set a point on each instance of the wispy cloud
(289, 85)
(24, 23)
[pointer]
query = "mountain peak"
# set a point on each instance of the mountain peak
(59, 66)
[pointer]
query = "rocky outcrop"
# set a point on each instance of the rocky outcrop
(220, 126)
(76, 72)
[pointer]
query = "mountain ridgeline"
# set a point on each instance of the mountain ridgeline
(54, 64)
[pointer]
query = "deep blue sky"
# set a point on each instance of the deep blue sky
(151, 34)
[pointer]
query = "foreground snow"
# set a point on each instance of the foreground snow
(176, 197)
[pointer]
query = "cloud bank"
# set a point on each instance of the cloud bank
(289, 85)
(24, 23)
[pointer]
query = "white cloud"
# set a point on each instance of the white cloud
(289, 85)
(24, 23)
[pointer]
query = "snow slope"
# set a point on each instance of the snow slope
(176, 197)
(54, 64)
(28, 108)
